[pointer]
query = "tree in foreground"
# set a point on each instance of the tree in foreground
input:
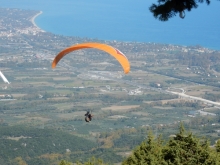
(149, 152)
(218, 146)
(64, 162)
(185, 149)
(166, 9)
(182, 149)
(92, 161)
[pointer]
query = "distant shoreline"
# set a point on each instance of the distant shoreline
(33, 20)
(205, 45)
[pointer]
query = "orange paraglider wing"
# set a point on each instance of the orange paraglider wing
(122, 59)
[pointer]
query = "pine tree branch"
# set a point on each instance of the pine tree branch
(166, 9)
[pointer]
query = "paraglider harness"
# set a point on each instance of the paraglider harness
(88, 116)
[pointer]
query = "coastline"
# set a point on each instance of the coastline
(33, 22)
(32, 19)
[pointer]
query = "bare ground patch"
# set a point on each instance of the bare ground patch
(59, 98)
(117, 117)
(39, 118)
(61, 78)
(140, 113)
(165, 108)
(198, 90)
(125, 154)
(163, 101)
(29, 118)
(71, 115)
(18, 95)
(17, 138)
(121, 108)
(20, 116)
(211, 109)
(145, 118)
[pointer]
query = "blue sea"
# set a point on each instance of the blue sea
(125, 20)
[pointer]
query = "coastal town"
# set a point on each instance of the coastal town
(19, 22)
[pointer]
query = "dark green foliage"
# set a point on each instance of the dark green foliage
(149, 152)
(169, 8)
(213, 97)
(63, 162)
(34, 142)
(107, 155)
(182, 149)
(38, 161)
(92, 161)
(218, 146)
(130, 141)
(194, 105)
(185, 149)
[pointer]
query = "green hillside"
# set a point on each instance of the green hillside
(44, 146)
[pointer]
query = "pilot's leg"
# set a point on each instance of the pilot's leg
(87, 119)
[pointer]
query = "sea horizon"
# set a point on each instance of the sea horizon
(106, 21)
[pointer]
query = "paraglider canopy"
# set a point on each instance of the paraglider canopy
(122, 59)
